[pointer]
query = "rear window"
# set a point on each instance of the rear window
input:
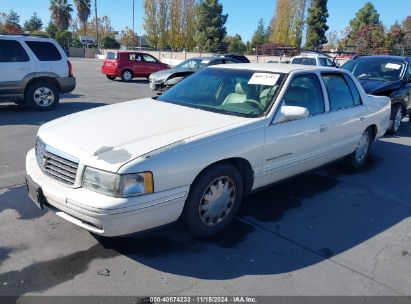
(111, 55)
(44, 51)
(304, 61)
(12, 51)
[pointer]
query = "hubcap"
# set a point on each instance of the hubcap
(217, 201)
(43, 96)
(363, 146)
(397, 120)
(127, 76)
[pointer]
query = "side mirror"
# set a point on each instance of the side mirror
(288, 113)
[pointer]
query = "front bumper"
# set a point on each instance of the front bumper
(103, 215)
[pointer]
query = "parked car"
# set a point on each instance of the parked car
(34, 70)
(195, 152)
(163, 80)
(129, 65)
(314, 58)
(279, 61)
(239, 58)
(385, 76)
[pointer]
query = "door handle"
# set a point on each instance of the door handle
(323, 128)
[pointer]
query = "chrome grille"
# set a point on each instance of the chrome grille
(57, 166)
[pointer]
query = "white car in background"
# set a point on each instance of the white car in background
(313, 58)
(196, 151)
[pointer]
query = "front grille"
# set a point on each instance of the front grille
(57, 166)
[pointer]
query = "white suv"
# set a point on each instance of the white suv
(33, 71)
(312, 58)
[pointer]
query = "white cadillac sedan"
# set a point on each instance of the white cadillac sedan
(196, 151)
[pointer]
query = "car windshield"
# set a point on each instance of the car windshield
(192, 64)
(229, 91)
(375, 68)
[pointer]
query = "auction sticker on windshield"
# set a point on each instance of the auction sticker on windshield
(393, 66)
(268, 79)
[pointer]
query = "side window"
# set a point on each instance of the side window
(329, 62)
(12, 51)
(228, 61)
(305, 91)
(215, 62)
(44, 51)
(134, 57)
(149, 58)
(338, 90)
(354, 91)
(323, 62)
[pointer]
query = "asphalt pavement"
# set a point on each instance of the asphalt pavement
(333, 231)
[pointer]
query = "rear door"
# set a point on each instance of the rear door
(50, 57)
(136, 63)
(347, 119)
(15, 63)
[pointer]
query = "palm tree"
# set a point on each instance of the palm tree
(61, 13)
(83, 12)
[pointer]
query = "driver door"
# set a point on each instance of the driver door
(295, 146)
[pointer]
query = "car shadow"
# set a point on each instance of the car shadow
(12, 114)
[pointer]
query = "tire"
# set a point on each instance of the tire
(41, 96)
(397, 114)
(203, 219)
(127, 75)
(359, 157)
(110, 77)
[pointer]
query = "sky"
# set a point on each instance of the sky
(243, 15)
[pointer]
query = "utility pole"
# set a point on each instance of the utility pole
(134, 35)
(95, 9)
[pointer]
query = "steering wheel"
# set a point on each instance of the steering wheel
(255, 104)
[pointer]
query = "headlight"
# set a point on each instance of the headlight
(116, 185)
(173, 81)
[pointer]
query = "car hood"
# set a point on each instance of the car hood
(165, 74)
(110, 136)
(377, 86)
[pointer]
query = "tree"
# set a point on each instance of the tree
(61, 13)
(163, 23)
(128, 38)
(332, 40)
(365, 16)
(210, 25)
(175, 31)
(370, 39)
(395, 39)
(150, 22)
(288, 22)
(3, 17)
(52, 29)
(64, 39)
(188, 24)
(406, 26)
(12, 23)
(33, 24)
(109, 42)
(83, 12)
(317, 24)
(235, 44)
(260, 35)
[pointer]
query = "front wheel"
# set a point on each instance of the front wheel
(213, 201)
(42, 96)
(396, 117)
(359, 157)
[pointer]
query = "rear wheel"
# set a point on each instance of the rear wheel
(396, 117)
(42, 96)
(213, 201)
(111, 77)
(359, 157)
(127, 75)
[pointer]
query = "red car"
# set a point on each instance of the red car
(128, 65)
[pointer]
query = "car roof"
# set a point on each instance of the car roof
(381, 56)
(275, 67)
